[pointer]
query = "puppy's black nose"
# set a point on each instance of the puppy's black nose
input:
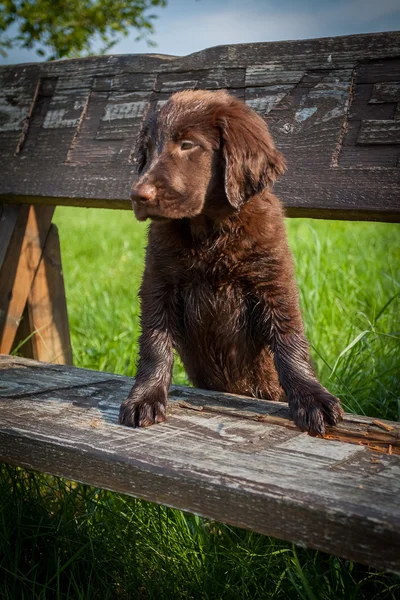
(143, 193)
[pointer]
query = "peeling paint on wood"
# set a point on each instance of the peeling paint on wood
(264, 104)
(305, 113)
(126, 110)
(176, 86)
(264, 99)
(11, 117)
(272, 73)
(56, 118)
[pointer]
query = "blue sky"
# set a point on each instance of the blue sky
(186, 26)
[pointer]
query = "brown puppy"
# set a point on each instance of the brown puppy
(219, 283)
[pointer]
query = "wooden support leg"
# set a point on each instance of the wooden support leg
(31, 284)
(44, 324)
(19, 267)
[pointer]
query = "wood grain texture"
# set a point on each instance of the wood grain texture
(68, 128)
(19, 268)
(217, 456)
(45, 321)
(380, 132)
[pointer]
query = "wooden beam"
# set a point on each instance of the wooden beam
(68, 128)
(19, 268)
(229, 458)
(45, 325)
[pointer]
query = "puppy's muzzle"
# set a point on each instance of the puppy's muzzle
(144, 193)
(143, 196)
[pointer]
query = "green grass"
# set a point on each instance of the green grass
(63, 540)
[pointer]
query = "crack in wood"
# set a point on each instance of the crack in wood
(78, 127)
(26, 121)
(25, 396)
(345, 123)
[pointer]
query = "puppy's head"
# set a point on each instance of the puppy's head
(204, 152)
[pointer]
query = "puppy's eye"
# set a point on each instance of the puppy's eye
(187, 145)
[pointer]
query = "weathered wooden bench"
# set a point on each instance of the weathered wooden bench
(67, 130)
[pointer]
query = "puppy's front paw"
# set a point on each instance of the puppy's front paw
(315, 408)
(144, 409)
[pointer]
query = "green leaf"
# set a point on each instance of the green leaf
(349, 347)
(69, 28)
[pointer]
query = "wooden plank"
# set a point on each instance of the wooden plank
(19, 268)
(333, 496)
(22, 374)
(46, 317)
(19, 374)
(83, 115)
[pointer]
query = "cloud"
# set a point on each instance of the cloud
(361, 11)
(187, 26)
(204, 25)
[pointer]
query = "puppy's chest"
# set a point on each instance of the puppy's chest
(218, 274)
(211, 296)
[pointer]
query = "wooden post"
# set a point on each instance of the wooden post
(31, 283)
(44, 330)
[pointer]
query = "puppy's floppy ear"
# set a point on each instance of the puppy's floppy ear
(141, 148)
(143, 143)
(251, 160)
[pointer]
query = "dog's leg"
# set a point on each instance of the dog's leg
(147, 401)
(311, 405)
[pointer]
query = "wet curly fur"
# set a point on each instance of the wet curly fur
(219, 282)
